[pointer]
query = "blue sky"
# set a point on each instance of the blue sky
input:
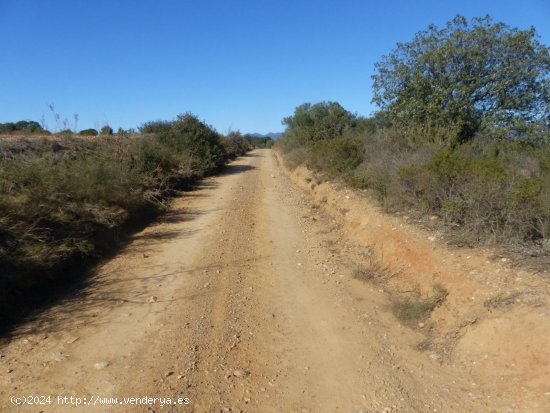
(239, 65)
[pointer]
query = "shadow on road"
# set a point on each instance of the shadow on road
(235, 169)
(76, 288)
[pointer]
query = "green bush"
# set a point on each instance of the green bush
(65, 132)
(336, 157)
(156, 126)
(88, 132)
(323, 120)
(199, 141)
(235, 145)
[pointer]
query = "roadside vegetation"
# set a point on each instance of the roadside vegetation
(463, 133)
(67, 199)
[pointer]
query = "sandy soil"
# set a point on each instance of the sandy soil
(242, 299)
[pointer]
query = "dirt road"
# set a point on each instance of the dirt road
(240, 299)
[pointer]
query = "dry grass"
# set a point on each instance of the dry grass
(414, 310)
(374, 270)
(501, 300)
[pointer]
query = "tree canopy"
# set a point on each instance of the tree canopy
(466, 75)
(22, 125)
(323, 120)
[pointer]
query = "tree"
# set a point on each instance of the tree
(323, 120)
(465, 76)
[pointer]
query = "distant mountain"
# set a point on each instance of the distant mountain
(272, 135)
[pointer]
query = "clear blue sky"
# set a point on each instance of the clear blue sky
(236, 64)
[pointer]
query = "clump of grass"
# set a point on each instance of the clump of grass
(364, 273)
(425, 345)
(374, 271)
(414, 310)
(501, 300)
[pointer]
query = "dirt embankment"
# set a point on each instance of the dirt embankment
(493, 318)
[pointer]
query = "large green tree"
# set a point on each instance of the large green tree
(464, 76)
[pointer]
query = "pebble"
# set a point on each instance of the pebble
(102, 364)
(71, 340)
(434, 356)
(240, 373)
(153, 299)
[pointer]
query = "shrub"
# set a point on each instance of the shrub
(201, 142)
(336, 157)
(106, 131)
(88, 132)
(235, 145)
(156, 126)
(65, 132)
(413, 310)
(323, 120)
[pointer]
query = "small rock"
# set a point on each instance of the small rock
(168, 373)
(153, 299)
(420, 325)
(434, 356)
(60, 357)
(71, 340)
(240, 373)
(9, 371)
(102, 364)
(206, 285)
(431, 239)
